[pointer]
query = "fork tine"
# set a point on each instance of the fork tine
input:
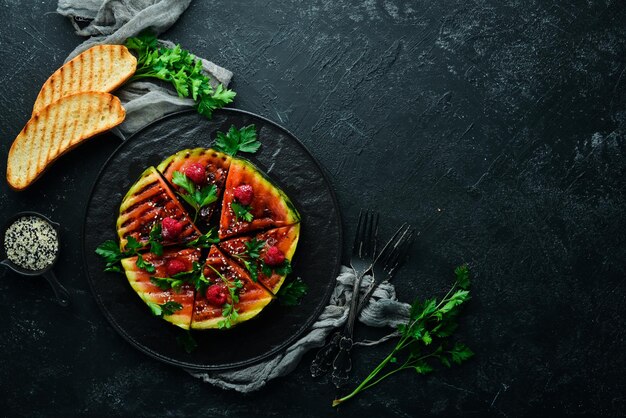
(391, 244)
(400, 253)
(370, 243)
(356, 246)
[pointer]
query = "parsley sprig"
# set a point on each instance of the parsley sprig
(242, 212)
(292, 293)
(193, 276)
(206, 240)
(430, 323)
(163, 309)
(229, 312)
(237, 140)
(197, 198)
(180, 68)
(110, 252)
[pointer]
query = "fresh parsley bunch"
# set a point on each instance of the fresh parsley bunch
(423, 337)
(180, 68)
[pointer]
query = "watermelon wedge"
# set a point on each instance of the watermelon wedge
(150, 293)
(285, 239)
(221, 272)
(149, 201)
(214, 165)
(266, 206)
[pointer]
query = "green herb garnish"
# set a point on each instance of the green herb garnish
(430, 323)
(164, 309)
(197, 198)
(206, 240)
(180, 68)
(187, 342)
(229, 312)
(241, 212)
(292, 293)
(155, 239)
(110, 251)
(237, 140)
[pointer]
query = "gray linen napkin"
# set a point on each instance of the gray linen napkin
(112, 21)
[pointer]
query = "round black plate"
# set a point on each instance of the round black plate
(316, 260)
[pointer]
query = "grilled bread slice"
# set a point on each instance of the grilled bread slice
(100, 68)
(58, 128)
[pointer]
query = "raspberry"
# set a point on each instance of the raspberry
(244, 194)
(196, 172)
(217, 295)
(175, 266)
(171, 228)
(274, 256)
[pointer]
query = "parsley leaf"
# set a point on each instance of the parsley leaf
(196, 198)
(163, 309)
(254, 247)
(292, 293)
(235, 140)
(206, 240)
(430, 323)
(241, 212)
(180, 68)
(112, 255)
(155, 239)
(187, 342)
(144, 265)
(229, 312)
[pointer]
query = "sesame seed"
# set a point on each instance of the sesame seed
(31, 243)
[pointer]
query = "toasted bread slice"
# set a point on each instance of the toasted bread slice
(58, 128)
(100, 68)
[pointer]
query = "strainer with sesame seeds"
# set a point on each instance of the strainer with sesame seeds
(30, 247)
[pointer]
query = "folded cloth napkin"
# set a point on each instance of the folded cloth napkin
(383, 310)
(112, 22)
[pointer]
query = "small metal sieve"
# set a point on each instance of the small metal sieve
(61, 294)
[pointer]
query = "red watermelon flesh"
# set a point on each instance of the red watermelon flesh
(285, 239)
(215, 165)
(149, 292)
(270, 207)
(252, 297)
(149, 201)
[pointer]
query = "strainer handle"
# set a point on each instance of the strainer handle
(61, 293)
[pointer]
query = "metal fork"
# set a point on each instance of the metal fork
(388, 261)
(385, 266)
(361, 261)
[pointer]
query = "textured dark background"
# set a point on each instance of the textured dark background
(496, 127)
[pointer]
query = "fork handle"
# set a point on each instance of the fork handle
(342, 363)
(354, 302)
(323, 360)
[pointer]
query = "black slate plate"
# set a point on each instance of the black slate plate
(317, 259)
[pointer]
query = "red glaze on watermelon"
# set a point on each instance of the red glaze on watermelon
(252, 296)
(204, 166)
(284, 239)
(269, 206)
(150, 200)
(149, 292)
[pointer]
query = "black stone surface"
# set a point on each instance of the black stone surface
(496, 127)
(288, 164)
